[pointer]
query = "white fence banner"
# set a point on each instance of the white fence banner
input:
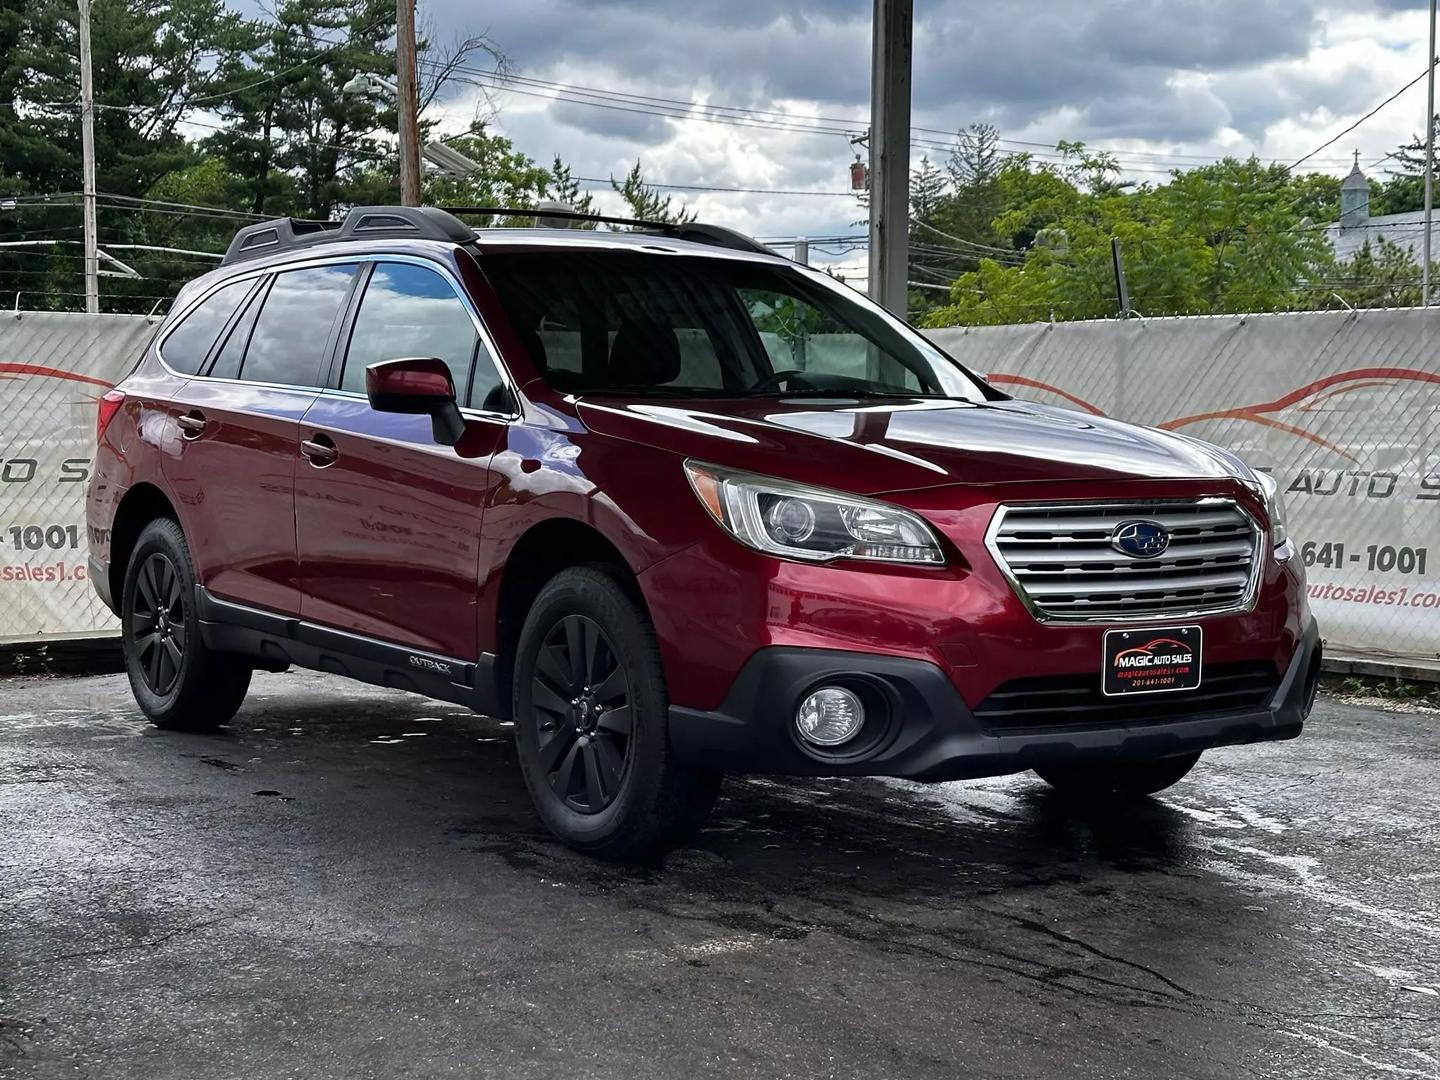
(53, 368)
(1343, 408)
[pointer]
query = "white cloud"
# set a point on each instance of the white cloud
(1157, 81)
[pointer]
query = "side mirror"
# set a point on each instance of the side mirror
(417, 386)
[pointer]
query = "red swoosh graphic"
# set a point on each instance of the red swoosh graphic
(1245, 412)
(1035, 384)
(11, 369)
(1151, 646)
(1343, 382)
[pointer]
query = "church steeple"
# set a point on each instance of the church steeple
(1354, 197)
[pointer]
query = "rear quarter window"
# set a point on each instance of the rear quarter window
(186, 347)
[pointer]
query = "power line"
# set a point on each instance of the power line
(735, 190)
(1336, 138)
(680, 109)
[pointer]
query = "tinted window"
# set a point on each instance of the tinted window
(226, 364)
(288, 342)
(640, 324)
(799, 336)
(408, 310)
(189, 343)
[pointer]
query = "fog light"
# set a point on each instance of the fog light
(830, 716)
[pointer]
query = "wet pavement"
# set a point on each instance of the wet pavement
(351, 884)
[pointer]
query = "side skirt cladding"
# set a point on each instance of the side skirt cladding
(275, 640)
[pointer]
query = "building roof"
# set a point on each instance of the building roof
(1356, 179)
(1407, 230)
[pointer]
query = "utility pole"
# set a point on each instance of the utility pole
(1429, 161)
(87, 154)
(407, 102)
(802, 250)
(892, 34)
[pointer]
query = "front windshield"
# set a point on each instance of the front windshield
(661, 325)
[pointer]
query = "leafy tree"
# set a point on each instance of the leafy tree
(1386, 275)
(1223, 237)
(928, 187)
(566, 189)
(150, 58)
(506, 177)
(646, 203)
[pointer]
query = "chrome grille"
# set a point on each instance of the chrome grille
(1060, 559)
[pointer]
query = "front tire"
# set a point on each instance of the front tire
(1118, 779)
(177, 681)
(591, 724)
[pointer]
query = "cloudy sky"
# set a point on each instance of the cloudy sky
(1159, 82)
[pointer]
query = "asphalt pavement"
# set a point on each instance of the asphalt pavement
(351, 883)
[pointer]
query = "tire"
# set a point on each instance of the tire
(178, 682)
(595, 748)
(1118, 779)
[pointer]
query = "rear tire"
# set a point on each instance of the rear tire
(178, 682)
(1118, 779)
(591, 724)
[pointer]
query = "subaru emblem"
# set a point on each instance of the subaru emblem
(1140, 539)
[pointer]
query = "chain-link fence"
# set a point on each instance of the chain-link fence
(1342, 407)
(53, 368)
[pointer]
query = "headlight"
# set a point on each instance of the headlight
(1269, 490)
(798, 522)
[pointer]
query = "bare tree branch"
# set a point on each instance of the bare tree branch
(441, 65)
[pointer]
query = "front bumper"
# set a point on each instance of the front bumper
(932, 735)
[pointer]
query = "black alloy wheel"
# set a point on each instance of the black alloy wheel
(592, 723)
(582, 712)
(157, 623)
(179, 682)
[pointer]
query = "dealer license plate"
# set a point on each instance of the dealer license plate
(1155, 661)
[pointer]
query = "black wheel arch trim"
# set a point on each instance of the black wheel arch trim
(276, 639)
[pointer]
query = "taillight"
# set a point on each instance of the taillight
(110, 404)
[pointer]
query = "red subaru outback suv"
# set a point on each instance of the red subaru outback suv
(676, 506)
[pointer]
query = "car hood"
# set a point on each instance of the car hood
(870, 446)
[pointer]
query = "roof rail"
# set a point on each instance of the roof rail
(550, 212)
(361, 223)
(715, 235)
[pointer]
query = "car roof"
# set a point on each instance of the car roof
(607, 240)
(496, 240)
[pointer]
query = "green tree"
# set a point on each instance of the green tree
(566, 189)
(1385, 275)
(506, 177)
(928, 188)
(150, 59)
(1223, 237)
(646, 203)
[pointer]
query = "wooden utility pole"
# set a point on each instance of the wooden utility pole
(87, 165)
(891, 40)
(1429, 164)
(407, 102)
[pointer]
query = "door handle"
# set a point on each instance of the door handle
(319, 451)
(192, 424)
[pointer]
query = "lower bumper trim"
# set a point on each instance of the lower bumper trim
(932, 735)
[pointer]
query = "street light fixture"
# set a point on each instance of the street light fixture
(365, 84)
(448, 161)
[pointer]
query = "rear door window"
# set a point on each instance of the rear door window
(288, 343)
(187, 346)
